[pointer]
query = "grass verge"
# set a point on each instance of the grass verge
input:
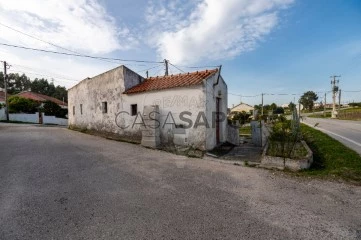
(245, 130)
(331, 159)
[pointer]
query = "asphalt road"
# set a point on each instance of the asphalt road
(347, 132)
(60, 184)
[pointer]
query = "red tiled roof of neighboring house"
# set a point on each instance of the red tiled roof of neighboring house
(171, 81)
(41, 98)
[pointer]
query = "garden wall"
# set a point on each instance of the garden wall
(33, 118)
(291, 164)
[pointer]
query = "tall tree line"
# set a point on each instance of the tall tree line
(18, 83)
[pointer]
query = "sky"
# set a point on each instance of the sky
(281, 48)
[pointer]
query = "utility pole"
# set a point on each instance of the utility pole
(147, 73)
(6, 92)
(324, 107)
(166, 67)
(262, 105)
(339, 100)
(334, 84)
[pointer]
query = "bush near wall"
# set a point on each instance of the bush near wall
(22, 105)
(52, 109)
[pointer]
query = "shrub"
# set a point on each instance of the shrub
(22, 105)
(52, 109)
(284, 136)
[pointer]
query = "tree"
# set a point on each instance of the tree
(61, 93)
(273, 106)
(279, 110)
(308, 99)
(50, 108)
(291, 106)
(42, 86)
(22, 105)
(241, 117)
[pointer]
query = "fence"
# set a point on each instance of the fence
(33, 118)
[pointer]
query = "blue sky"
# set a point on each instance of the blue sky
(264, 46)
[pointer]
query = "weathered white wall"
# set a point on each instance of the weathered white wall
(54, 120)
(24, 117)
(212, 92)
(2, 114)
(106, 87)
(33, 118)
(171, 102)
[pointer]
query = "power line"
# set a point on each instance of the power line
(144, 70)
(52, 44)
(78, 55)
(41, 40)
(40, 74)
(34, 69)
(176, 67)
(196, 66)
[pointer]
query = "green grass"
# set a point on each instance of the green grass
(331, 158)
(356, 109)
(350, 114)
(245, 130)
(275, 150)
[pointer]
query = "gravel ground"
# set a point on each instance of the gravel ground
(60, 184)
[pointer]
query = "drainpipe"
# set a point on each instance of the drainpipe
(219, 74)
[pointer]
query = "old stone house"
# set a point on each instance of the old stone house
(184, 110)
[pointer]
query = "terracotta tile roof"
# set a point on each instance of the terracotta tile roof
(41, 98)
(171, 81)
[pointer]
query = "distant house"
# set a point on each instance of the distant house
(176, 110)
(242, 107)
(42, 98)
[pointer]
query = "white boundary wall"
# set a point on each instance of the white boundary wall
(54, 120)
(24, 117)
(33, 118)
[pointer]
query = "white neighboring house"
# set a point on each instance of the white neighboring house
(242, 107)
(189, 104)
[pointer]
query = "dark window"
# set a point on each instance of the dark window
(133, 109)
(81, 109)
(73, 110)
(104, 107)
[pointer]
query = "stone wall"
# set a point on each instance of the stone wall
(291, 164)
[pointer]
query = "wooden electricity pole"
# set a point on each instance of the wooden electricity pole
(166, 67)
(262, 105)
(6, 92)
(324, 107)
(339, 101)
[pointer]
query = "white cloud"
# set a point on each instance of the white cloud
(82, 25)
(210, 29)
